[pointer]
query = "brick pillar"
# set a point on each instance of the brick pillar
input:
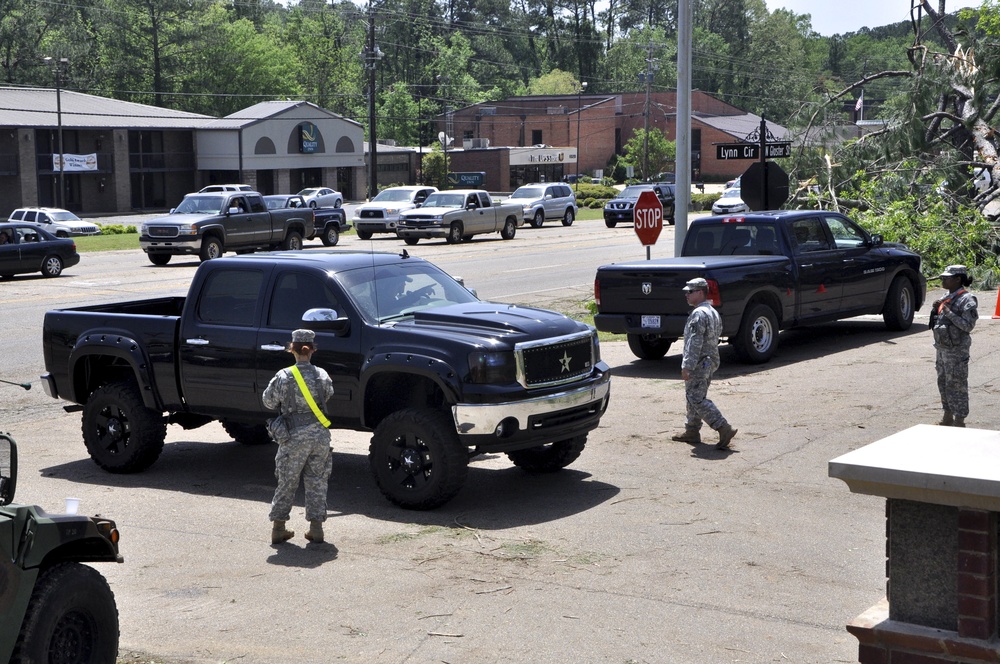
(977, 574)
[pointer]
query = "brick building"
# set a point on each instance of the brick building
(528, 139)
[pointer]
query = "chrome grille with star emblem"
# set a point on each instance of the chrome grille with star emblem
(555, 361)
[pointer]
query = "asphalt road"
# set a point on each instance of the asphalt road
(644, 550)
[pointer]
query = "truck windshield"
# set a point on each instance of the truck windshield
(201, 204)
(445, 200)
(387, 292)
(731, 239)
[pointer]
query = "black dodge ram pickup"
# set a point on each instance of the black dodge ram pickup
(767, 271)
(415, 357)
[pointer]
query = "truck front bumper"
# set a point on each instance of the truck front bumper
(376, 226)
(520, 424)
(423, 233)
(171, 246)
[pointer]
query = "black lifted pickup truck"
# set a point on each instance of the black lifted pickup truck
(766, 271)
(415, 357)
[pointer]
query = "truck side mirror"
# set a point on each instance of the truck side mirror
(327, 319)
(877, 240)
(8, 469)
(233, 210)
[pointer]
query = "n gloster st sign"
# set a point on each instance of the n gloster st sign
(648, 217)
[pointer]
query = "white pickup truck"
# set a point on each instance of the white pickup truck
(457, 215)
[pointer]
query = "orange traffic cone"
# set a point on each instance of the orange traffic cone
(996, 314)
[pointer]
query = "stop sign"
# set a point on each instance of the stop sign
(648, 217)
(764, 186)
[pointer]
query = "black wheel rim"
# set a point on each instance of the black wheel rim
(72, 640)
(409, 461)
(113, 430)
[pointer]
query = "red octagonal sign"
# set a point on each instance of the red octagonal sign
(648, 217)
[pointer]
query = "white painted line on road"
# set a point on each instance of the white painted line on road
(540, 267)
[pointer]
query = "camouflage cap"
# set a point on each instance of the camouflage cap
(696, 284)
(955, 271)
(303, 336)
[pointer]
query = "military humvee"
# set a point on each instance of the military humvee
(53, 608)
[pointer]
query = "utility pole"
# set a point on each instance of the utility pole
(682, 200)
(58, 66)
(647, 78)
(370, 57)
(579, 114)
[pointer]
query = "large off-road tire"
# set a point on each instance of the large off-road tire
(121, 434)
(211, 248)
(648, 347)
(247, 434)
(364, 235)
(898, 310)
(509, 229)
(293, 241)
(159, 259)
(610, 223)
(455, 232)
(538, 219)
(52, 266)
(71, 619)
(549, 458)
(417, 459)
(331, 236)
(757, 339)
(568, 217)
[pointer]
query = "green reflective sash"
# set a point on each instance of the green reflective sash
(309, 397)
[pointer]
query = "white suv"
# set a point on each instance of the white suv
(546, 201)
(61, 223)
(215, 188)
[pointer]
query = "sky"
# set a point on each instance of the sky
(837, 17)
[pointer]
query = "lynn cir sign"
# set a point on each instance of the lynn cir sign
(728, 151)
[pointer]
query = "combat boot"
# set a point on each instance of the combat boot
(281, 534)
(959, 421)
(692, 436)
(726, 434)
(947, 420)
(315, 532)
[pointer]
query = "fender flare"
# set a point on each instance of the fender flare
(425, 366)
(119, 346)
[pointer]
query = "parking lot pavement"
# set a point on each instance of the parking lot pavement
(644, 550)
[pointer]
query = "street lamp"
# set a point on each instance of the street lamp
(579, 113)
(59, 64)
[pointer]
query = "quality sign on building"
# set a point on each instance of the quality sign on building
(308, 138)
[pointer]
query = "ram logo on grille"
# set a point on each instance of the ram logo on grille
(556, 361)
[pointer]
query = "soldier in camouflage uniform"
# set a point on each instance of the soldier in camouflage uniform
(307, 453)
(701, 359)
(952, 320)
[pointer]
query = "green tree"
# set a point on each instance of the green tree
(435, 173)
(556, 82)
(649, 153)
(398, 116)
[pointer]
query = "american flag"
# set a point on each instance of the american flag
(861, 101)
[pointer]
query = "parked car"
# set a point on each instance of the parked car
(25, 248)
(619, 210)
(546, 201)
(381, 215)
(322, 197)
(730, 202)
(280, 201)
(59, 222)
(216, 188)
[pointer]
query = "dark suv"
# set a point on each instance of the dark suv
(620, 209)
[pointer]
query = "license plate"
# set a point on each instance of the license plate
(651, 321)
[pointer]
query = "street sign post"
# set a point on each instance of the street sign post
(647, 217)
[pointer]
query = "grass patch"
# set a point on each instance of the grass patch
(108, 242)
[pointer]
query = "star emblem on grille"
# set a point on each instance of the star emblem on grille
(564, 361)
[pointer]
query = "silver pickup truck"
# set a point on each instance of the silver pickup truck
(457, 215)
